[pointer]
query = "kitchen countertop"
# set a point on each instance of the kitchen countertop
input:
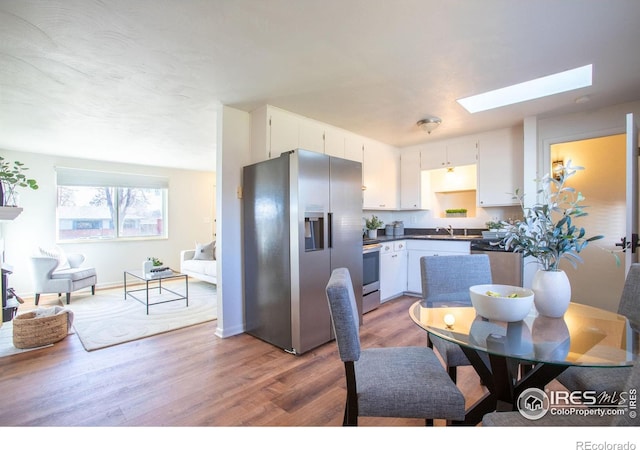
(474, 236)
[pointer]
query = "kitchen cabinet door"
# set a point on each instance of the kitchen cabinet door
(418, 249)
(282, 132)
(450, 153)
(500, 166)
(462, 151)
(410, 179)
(273, 131)
(434, 156)
(380, 173)
(311, 135)
(353, 147)
(393, 270)
(334, 140)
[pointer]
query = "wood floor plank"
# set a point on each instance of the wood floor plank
(189, 377)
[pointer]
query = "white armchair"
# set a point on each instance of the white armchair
(48, 278)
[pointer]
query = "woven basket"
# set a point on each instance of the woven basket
(29, 331)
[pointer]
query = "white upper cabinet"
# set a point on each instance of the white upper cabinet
(334, 142)
(434, 156)
(353, 147)
(380, 170)
(311, 135)
(410, 178)
(462, 151)
(500, 166)
(273, 131)
(453, 152)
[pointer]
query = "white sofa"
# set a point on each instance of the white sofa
(205, 270)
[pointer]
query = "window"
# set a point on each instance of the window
(102, 205)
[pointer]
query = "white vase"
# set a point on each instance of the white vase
(373, 234)
(552, 292)
(146, 267)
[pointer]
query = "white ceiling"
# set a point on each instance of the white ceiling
(139, 80)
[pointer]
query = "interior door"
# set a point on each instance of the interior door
(630, 241)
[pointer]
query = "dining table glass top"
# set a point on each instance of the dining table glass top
(585, 336)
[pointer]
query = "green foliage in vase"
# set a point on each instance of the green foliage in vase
(547, 231)
(12, 176)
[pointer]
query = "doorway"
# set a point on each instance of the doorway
(599, 280)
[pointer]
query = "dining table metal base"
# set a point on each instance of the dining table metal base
(505, 381)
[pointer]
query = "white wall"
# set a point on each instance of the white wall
(191, 219)
(574, 127)
(233, 154)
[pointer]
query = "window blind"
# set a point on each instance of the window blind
(67, 176)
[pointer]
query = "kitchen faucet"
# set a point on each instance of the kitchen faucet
(449, 230)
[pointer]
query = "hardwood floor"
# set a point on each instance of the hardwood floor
(190, 377)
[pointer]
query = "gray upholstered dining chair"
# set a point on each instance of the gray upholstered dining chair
(407, 382)
(516, 419)
(607, 379)
(445, 282)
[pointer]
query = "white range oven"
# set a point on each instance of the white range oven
(370, 277)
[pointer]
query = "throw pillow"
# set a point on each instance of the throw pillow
(58, 254)
(205, 251)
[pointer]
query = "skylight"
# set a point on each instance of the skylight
(529, 90)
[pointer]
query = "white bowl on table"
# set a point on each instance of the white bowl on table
(502, 307)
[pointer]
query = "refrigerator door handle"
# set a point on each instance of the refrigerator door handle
(330, 229)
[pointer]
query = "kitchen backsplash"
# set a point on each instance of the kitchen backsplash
(426, 219)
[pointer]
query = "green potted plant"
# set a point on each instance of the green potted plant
(372, 226)
(493, 225)
(151, 263)
(548, 233)
(457, 212)
(11, 177)
(156, 262)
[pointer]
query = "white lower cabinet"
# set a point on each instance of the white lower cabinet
(393, 270)
(416, 249)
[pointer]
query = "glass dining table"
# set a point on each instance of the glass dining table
(498, 351)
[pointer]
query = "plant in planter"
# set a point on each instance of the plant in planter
(493, 225)
(156, 262)
(547, 233)
(151, 263)
(372, 225)
(11, 177)
(458, 212)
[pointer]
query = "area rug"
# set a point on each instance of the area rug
(107, 319)
(6, 341)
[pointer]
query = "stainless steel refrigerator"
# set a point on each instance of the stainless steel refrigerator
(302, 218)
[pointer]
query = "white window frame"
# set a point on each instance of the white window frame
(73, 177)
